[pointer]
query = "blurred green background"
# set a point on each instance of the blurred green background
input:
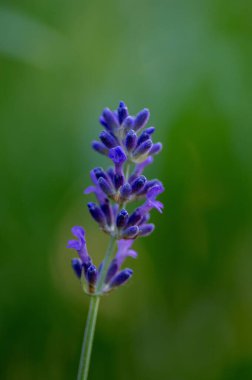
(187, 312)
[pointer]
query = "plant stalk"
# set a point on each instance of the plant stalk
(92, 316)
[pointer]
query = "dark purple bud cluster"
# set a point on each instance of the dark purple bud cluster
(128, 143)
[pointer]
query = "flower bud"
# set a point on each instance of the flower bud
(135, 218)
(131, 140)
(138, 184)
(106, 186)
(91, 278)
(142, 149)
(112, 270)
(122, 112)
(108, 212)
(143, 137)
(130, 232)
(100, 148)
(141, 119)
(128, 123)
(97, 214)
(121, 278)
(92, 274)
(125, 191)
(110, 119)
(122, 218)
(77, 267)
(108, 139)
(156, 148)
(146, 229)
(117, 155)
(118, 181)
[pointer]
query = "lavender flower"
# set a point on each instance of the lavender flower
(127, 142)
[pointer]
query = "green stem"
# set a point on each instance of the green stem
(92, 316)
(88, 338)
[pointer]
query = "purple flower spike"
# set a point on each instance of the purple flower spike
(128, 143)
(141, 119)
(121, 278)
(77, 267)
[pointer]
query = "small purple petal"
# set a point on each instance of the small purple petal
(155, 190)
(74, 244)
(78, 232)
(80, 244)
(89, 190)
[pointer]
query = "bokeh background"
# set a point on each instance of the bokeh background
(187, 312)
